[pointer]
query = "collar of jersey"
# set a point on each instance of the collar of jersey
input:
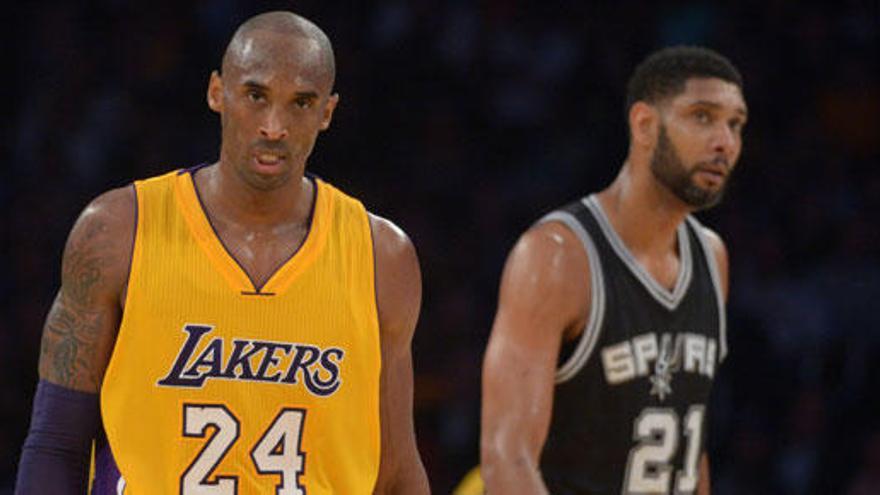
(668, 299)
(237, 278)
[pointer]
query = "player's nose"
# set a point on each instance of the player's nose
(273, 127)
(724, 140)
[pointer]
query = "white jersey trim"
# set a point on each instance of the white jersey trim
(669, 300)
(590, 335)
(716, 282)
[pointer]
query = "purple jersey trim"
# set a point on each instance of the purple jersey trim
(193, 169)
(258, 289)
(107, 474)
(133, 241)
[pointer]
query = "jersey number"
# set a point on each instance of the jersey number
(277, 451)
(648, 468)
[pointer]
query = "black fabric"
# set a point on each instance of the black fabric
(592, 433)
(55, 456)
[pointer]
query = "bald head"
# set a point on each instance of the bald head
(266, 37)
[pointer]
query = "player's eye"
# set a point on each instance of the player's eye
(255, 96)
(702, 116)
(303, 102)
(736, 125)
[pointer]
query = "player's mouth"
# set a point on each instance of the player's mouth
(268, 162)
(713, 175)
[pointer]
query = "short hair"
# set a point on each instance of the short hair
(285, 23)
(664, 73)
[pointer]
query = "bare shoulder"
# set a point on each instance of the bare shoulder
(546, 278)
(549, 255)
(100, 243)
(398, 277)
(110, 211)
(114, 209)
(389, 240)
(550, 241)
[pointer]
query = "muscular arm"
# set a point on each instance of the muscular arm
(544, 293)
(77, 341)
(720, 252)
(81, 326)
(399, 297)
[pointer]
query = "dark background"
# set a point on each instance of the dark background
(464, 121)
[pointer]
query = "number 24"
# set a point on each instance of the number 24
(277, 452)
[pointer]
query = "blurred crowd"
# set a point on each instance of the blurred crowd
(464, 121)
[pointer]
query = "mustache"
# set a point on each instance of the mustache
(276, 147)
(718, 161)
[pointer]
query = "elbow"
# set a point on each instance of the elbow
(491, 450)
(498, 457)
(490, 461)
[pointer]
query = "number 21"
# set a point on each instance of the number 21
(648, 469)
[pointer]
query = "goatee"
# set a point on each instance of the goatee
(668, 168)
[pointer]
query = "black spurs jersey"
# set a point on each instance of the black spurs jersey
(630, 405)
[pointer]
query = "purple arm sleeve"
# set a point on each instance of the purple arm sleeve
(55, 456)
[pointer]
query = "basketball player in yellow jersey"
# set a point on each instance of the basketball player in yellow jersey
(239, 327)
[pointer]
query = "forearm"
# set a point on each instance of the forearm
(55, 455)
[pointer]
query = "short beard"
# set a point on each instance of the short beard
(669, 170)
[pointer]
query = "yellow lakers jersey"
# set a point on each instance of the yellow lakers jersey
(218, 387)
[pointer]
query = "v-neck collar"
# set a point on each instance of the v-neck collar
(239, 280)
(669, 299)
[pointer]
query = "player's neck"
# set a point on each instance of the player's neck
(227, 195)
(644, 213)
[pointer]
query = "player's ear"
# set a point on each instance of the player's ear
(643, 124)
(215, 92)
(327, 117)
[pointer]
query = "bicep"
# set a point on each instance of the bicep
(544, 292)
(398, 299)
(81, 325)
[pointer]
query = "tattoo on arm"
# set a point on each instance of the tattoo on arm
(69, 346)
(71, 349)
(82, 266)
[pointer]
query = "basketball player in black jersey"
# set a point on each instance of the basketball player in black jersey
(610, 324)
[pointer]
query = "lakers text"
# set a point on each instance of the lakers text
(317, 369)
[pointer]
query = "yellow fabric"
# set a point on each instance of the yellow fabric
(91, 468)
(471, 484)
(317, 311)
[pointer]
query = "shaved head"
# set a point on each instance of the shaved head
(274, 94)
(268, 36)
